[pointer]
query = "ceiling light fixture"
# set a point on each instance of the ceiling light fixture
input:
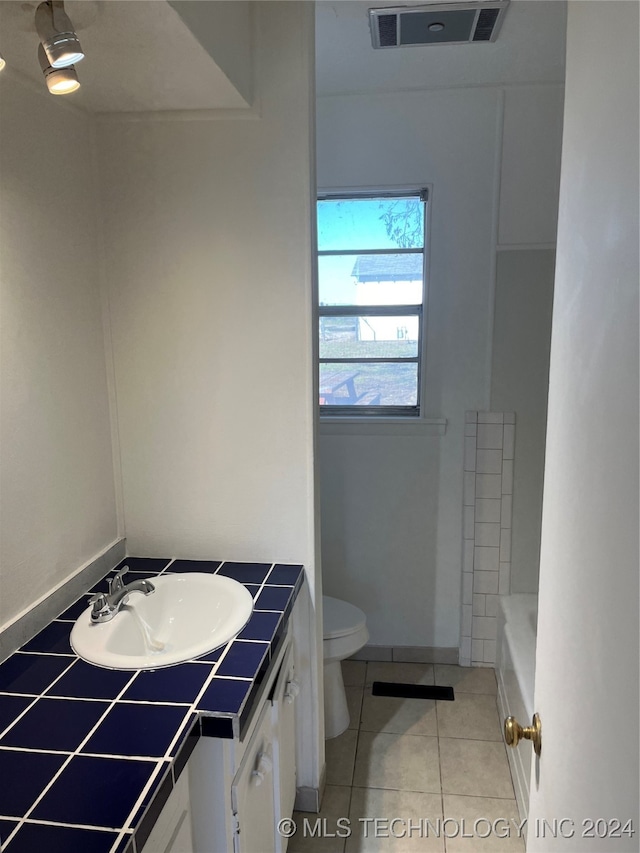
(57, 36)
(2, 63)
(60, 81)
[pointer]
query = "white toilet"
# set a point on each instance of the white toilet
(344, 634)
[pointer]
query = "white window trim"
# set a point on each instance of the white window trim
(397, 425)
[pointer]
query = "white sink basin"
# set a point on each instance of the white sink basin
(187, 616)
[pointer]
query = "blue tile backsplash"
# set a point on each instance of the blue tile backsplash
(95, 751)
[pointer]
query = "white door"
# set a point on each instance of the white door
(587, 655)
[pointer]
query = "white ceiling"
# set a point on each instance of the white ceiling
(530, 48)
(140, 56)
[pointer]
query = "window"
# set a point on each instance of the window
(371, 283)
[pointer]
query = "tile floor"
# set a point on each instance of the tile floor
(413, 760)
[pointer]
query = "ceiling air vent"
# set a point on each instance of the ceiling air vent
(438, 23)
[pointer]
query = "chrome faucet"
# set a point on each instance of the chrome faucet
(105, 607)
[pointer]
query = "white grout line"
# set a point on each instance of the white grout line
(13, 693)
(22, 713)
(168, 758)
(261, 586)
(264, 611)
(38, 696)
(187, 725)
(69, 759)
(6, 748)
(210, 677)
(72, 825)
(77, 698)
(233, 678)
(138, 804)
(147, 758)
(152, 702)
(194, 705)
(45, 654)
(122, 834)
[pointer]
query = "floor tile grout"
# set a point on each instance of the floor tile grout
(364, 689)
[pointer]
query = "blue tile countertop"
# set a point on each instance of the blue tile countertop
(89, 756)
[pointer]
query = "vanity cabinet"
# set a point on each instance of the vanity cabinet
(240, 788)
(253, 792)
(172, 830)
(283, 715)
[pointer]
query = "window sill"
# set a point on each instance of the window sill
(382, 426)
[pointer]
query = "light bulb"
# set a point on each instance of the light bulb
(63, 81)
(60, 81)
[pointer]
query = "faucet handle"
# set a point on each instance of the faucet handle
(102, 610)
(117, 583)
(99, 601)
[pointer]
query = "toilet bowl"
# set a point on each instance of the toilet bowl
(344, 634)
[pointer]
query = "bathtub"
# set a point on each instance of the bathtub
(515, 671)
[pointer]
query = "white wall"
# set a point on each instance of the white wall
(207, 231)
(225, 29)
(56, 471)
(530, 175)
(519, 383)
(391, 504)
(587, 653)
(208, 259)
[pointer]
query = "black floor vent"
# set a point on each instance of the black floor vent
(412, 691)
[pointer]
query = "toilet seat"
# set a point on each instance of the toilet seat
(339, 618)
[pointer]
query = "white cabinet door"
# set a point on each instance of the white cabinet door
(284, 723)
(182, 840)
(172, 831)
(252, 792)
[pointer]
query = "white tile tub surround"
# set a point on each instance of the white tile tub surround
(489, 448)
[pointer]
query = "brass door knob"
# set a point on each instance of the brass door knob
(514, 732)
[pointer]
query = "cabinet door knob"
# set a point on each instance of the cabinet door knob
(264, 765)
(514, 733)
(291, 691)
